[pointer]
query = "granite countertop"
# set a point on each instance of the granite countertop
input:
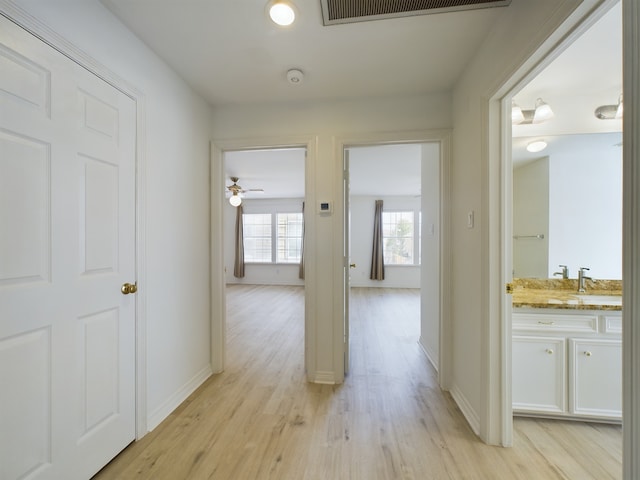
(563, 294)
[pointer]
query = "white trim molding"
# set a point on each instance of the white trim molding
(631, 241)
(443, 138)
(170, 404)
(428, 354)
(42, 31)
(216, 245)
(567, 23)
(466, 408)
(326, 378)
(218, 318)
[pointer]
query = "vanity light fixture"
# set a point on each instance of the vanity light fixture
(517, 116)
(610, 112)
(281, 12)
(540, 113)
(536, 146)
(235, 199)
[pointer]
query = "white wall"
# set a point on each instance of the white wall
(521, 29)
(432, 252)
(177, 129)
(327, 122)
(574, 198)
(259, 274)
(362, 213)
(531, 217)
(585, 216)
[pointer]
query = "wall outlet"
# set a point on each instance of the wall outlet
(470, 219)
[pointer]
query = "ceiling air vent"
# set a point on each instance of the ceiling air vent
(347, 11)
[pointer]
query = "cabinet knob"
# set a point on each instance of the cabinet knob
(549, 351)
(587, 353)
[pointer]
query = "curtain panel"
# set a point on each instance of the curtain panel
(238, 265)
(301, 269)
(377, 257)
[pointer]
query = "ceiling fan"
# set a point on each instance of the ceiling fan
(236, 190)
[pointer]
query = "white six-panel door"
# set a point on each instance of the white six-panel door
(67, 244)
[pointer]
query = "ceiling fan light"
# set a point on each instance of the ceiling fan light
(543, 112)
(282, 13)
(235, 200)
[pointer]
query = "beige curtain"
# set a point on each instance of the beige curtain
(238, 266)
(301, 269)
(377, 258)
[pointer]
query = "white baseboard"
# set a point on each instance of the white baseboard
(325, 377)
(466, 409)
(174, 401)
(430, 355)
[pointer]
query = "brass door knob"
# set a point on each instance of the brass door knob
(128, 288)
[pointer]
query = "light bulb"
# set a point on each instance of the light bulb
(619, 109)
(235, 200)
(516, 114)
(282, 14)
(543, 111)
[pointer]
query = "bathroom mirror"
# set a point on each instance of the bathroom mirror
(567, 206)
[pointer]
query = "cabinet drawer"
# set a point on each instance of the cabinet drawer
(612, 324)
(549, 323)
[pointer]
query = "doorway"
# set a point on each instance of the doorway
(407, 178)
(533, 250)
(263, 220)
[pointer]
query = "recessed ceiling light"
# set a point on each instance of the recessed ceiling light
(282, 13)
(536, 146)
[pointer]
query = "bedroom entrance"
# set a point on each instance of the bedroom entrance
(392, 228)
(263, 229)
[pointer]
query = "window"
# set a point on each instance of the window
(401, 238)
(257, 237)
(289, 237)
(272, 237)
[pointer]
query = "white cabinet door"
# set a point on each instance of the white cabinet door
(539, 374)
(596, 377)
(67, 244)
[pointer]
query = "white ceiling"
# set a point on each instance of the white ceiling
(230, 53)
(279, 172)
(587, 74)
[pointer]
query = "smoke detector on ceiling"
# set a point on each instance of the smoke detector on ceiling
(295, 76)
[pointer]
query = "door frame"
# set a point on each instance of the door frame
(41, 31)
(443, 138)
(497, 427)
(218, 283)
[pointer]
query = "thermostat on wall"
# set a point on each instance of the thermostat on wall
(324, 207)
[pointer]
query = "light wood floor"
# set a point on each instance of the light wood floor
(260, 419)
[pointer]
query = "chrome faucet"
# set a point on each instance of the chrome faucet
(581, 278)
(564, 272)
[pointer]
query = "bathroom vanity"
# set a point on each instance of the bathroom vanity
(567, 350)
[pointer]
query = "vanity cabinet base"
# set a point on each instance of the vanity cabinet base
(561, 372)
